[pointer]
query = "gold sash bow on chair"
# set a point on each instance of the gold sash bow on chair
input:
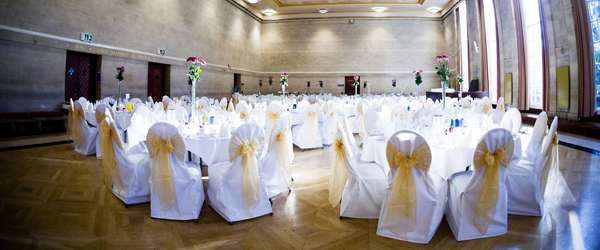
(551, 164)
(284, 157)
(402, 205)
(361, 122)
(339, 174)
(108, 136)
(313, 119)
(202, 109)
(486, 205)
(501, 109)
(161, 169)
(165, 106)
(78, 123)
(273, 117)
(248, 151)
(243, 114)
(487, 109)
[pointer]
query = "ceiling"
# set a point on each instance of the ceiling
(309, 9)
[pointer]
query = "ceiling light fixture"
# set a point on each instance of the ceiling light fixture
(252, 1)
(379, 9)
(434, 9)
(269, 12)
(323, 11)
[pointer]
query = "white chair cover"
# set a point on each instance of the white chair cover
(526, 182)
(308, 134)
(128, 174)
(276, 170)
(373, 122)
(534, 146)
(424, 117)
(260, 115)
(512, 121)
(140, 123)
(100, 115)
(226, 185)
(430, 191)
(363, 183)
(176, 187)
(465, 198)
(85, 136)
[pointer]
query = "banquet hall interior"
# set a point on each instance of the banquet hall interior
(299, 124)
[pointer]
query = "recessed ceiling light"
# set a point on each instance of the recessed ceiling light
(379, 9)
(323, 11)
(252, 1)
(269, 12)
(434, 9)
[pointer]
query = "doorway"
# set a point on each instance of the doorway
(156, 80)
(80, 76)
(349, 85)
(237, 81)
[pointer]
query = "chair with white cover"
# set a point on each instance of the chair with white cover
(127, 174)
(415, 198)
(359, 185)
(359, 119)
(244, 109)
(273, 113)
(329, 127)
(534, 145)
(308, 134)
(85, 136)
(500, 110)
(526, 182)
(138, 130)
(235, 189)
(100, 115)
(373, 122)
(260, 116)
(176, 186)
(477, 199)
(511, 121)
(276, 170)
(424, 117)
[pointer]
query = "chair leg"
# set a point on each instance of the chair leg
(271, 213)
(292, 179)
(231, 223)
(196, 220)
(126, 205)
(302, 149)
(341, 217)
(271, 201)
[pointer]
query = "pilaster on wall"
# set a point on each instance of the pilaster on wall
(474, 35)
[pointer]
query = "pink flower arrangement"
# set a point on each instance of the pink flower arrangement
(443, 58)
(356, 83)
(120, 71)
(195, 69)
(418, 77)
(270, 80)
(394, 83)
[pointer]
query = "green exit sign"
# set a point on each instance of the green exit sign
(86, 37)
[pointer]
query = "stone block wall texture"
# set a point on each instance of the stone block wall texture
(379, 50)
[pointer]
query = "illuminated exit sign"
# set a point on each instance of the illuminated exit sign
(86, 37)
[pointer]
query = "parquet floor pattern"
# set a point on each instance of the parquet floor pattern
(54, 198)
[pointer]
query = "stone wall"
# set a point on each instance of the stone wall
(214, 30)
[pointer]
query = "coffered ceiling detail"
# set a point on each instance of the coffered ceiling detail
(279, 10)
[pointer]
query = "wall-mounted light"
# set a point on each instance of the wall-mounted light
(323, 11)
(252, 1)
(434, 9)
(379, 9)
(269, 12)
(351, 21)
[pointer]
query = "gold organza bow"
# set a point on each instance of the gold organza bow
(243, 114)
(551, 164)
(273, 117)
(332, 119)
(487, 109)
(280, 136)
(78, 123)
(361, 122)
(313, 119)
(339, 174)
(108, 138)
(248, 151)
(161, 169)
(165, 106)
(501, 109)
(486, 205)
(402, 206)
(202, 108)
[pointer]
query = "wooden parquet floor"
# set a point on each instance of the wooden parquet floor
(54, 198)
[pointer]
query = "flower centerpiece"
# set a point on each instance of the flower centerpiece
(270, 84)
(418, 80)
(443, 72)
(308, 87)
(284, 80)
(321, 85)
(356, 83)
(120, 78)
(195, 67)
(259, 86)
(460, 80)
(394, 85)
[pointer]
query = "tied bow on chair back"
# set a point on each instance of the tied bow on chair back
(486, 205)
(402, 206)
(339, 174)
(550, 150)
(202, 108)
(78, 123)
(248, 150)
(161, 169)
(71, 122)
(360, 116)
(312, 117)
(280, 136)
(487, 109)
(273, 118)
(109, 138)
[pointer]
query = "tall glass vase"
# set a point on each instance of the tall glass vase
(394, 90)
(321, 90)
(193, 94)
(283, 94)
(355, 90)
(443, 95)
(119, 102)
(460, 91)
(418, 85)
(271, 89)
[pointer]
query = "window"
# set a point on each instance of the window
(492, 51)
(464, 43)
(533, 35)
(594, 14)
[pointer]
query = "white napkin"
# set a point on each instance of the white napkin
(224, 131)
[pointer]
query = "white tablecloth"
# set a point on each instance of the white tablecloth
(122, 119)
(211, 149)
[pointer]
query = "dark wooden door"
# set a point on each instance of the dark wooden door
(156, 80)
(349, 87)
(80, 76)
